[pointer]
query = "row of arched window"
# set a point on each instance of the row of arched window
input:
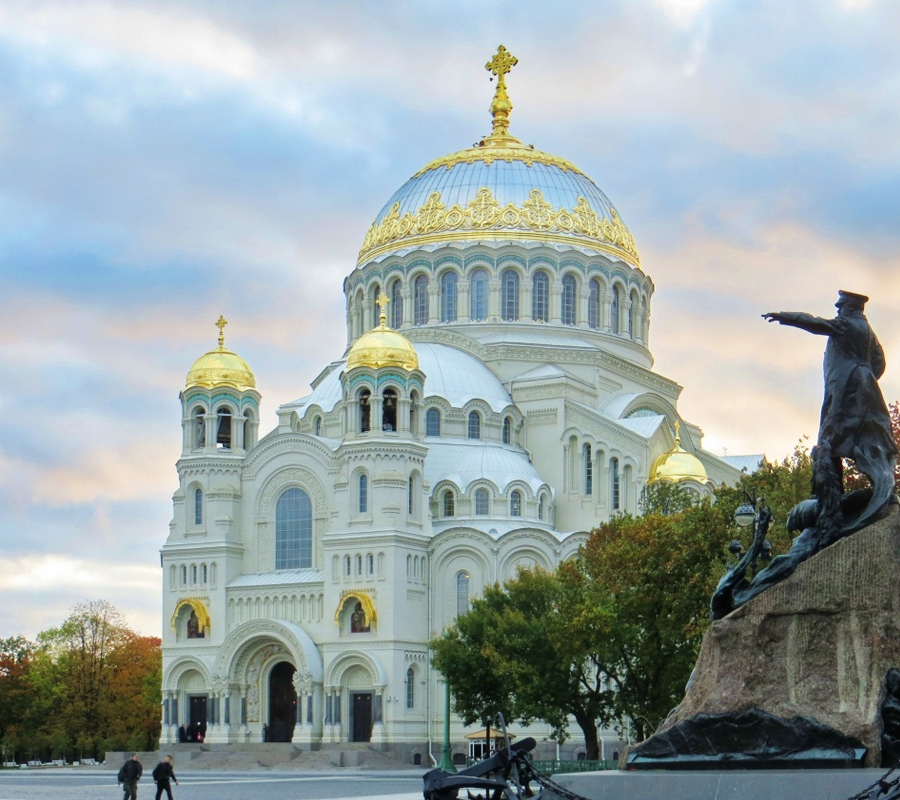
(586, 466)
(615, 308)
(416, 569)
(358, 566)
(185, 575)
(222, 428)
(482, 501)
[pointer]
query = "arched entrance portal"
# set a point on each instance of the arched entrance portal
(282, 703)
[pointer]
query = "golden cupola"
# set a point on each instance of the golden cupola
(221, 367)
(383, 347)
(677, 464)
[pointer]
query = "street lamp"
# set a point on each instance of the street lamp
(746, 515)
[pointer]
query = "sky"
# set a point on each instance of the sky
(163, 162)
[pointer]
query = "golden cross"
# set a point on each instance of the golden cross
(382, 302)
(500, 65)
(502, 62)
(220, 324)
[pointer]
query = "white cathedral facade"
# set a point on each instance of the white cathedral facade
(495, 402)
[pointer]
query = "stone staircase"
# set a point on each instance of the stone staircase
(283, 756)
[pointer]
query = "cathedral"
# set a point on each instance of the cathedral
(494, 403)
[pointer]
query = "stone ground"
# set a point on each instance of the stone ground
(91, 783)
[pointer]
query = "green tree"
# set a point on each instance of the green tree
(645, 585)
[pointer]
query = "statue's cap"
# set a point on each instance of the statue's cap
(852, 297)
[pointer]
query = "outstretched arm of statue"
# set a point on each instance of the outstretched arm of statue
(807, 322)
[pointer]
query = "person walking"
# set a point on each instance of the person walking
(163, 775)
(129, 775)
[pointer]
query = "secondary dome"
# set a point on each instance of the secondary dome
(383, 347)
(678, 465)
(499, 189)
(221, 367)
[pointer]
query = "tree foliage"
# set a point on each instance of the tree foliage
(87, 686)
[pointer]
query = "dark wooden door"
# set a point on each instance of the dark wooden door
(362, 716)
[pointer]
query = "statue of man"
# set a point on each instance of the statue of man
(855, 423)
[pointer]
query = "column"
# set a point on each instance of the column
(209, 429)
(434, 302)
(556, 302)
(494, 300)
(378, 732)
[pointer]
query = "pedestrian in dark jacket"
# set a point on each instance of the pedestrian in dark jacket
(129, 775)
(163, 775)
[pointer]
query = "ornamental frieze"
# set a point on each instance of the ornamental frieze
(485, 213)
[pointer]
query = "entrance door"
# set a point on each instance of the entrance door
(196, 729)
(362, 716)
(282, 703)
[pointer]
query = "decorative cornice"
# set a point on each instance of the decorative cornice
(483, 215)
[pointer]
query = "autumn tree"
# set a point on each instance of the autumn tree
(16, 694)
(96, 685)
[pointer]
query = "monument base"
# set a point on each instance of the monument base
(817, 646)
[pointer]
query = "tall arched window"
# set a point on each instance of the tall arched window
(615, 497)
(223, 429)
(506, 434)
(396, 304)
(541, 505)
(509, 295)
(198, 506)
(615, 303)
(410, 688)
(540, 297)
(293, 530)
(389, 410)
(568, 300)
(433, 422)
(317, 426)
(449, 282)
(474, 428)
(478, 295)
(411, 496)
(414, 413)
(449, 506)
(365, 411)
(594, 304)
(359, 315)
(376, 310)
(363, 493)
(588, 470)
(420, 300)
(515, 503)
(482, 502)
(462, 593)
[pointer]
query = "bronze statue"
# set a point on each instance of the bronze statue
(855, 424)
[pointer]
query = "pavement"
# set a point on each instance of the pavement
(92, 783)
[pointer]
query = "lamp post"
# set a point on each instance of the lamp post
(747, 515)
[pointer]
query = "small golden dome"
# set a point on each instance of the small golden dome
(383, 347)
(221, 367)
(678, 465)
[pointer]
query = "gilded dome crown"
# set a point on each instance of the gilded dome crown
(221, 367)
(678, 465)
(500, 189)
(383, 347)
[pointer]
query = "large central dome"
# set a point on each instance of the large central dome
(500, 189)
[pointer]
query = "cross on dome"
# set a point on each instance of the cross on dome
(220, 324)
(382, 301)
(500, 65)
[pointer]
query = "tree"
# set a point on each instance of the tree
(645, 584)
(15, 694)
(96, 684)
